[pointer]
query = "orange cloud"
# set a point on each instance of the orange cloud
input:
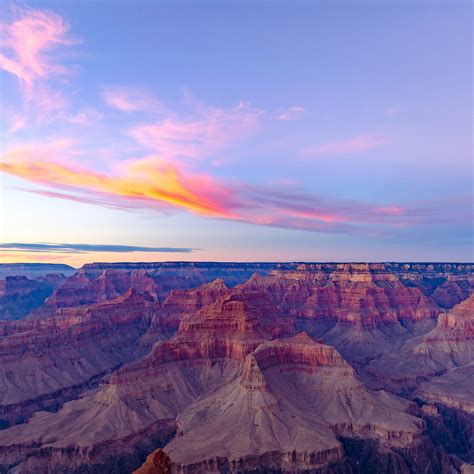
(346, 147)
(165, 185)
(147, 179)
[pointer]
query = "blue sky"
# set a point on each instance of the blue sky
(243, 130)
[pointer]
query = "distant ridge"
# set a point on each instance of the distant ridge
(33, 270)
(297, 265)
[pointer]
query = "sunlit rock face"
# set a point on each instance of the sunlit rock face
(241, 367)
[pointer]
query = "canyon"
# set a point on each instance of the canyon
(238, 367)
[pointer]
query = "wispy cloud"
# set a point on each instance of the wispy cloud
(32, 49)
(348, 146)
(199, 134)
(131, 99)
(86, 248)
(85, 116)
(28, 45)
(292, 113)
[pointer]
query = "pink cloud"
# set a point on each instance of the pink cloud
(291, 113)
(208, 130)
(50, 106)
(352, 145)
(7, 257)
(85, 117)
(130, 99)
(31, 49)
(47, 106)
(27, 45)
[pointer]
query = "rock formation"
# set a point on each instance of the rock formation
(156, 462)
(44, 362)
(449, 345)
(362, 309)
(243, 367)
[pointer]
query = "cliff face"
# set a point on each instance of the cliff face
(157, 462)
(86, 287)
(286, 410)
(235, 367)
(44, 362)
(449, 345)
(98, 282)
(437, 370)
(352, 291)
(363, 310)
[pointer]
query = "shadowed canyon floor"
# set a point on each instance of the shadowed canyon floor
(207, 367)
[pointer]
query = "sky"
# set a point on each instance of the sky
(236, 131)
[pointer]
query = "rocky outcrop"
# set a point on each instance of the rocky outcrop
(87, 288)
(293, 399)
(156, 462)
(181, 305)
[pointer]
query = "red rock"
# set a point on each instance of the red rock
(448, 346)
(226, 354)
(157, 462)
(83, 288)
(238, 386)
(46, 361)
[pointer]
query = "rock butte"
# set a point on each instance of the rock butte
(334, 368)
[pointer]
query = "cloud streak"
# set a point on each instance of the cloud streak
(144, 182)
(349, 146)
(87, 248)
(130, 99)
(166, 186)
(291, 113)
(206, 131)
